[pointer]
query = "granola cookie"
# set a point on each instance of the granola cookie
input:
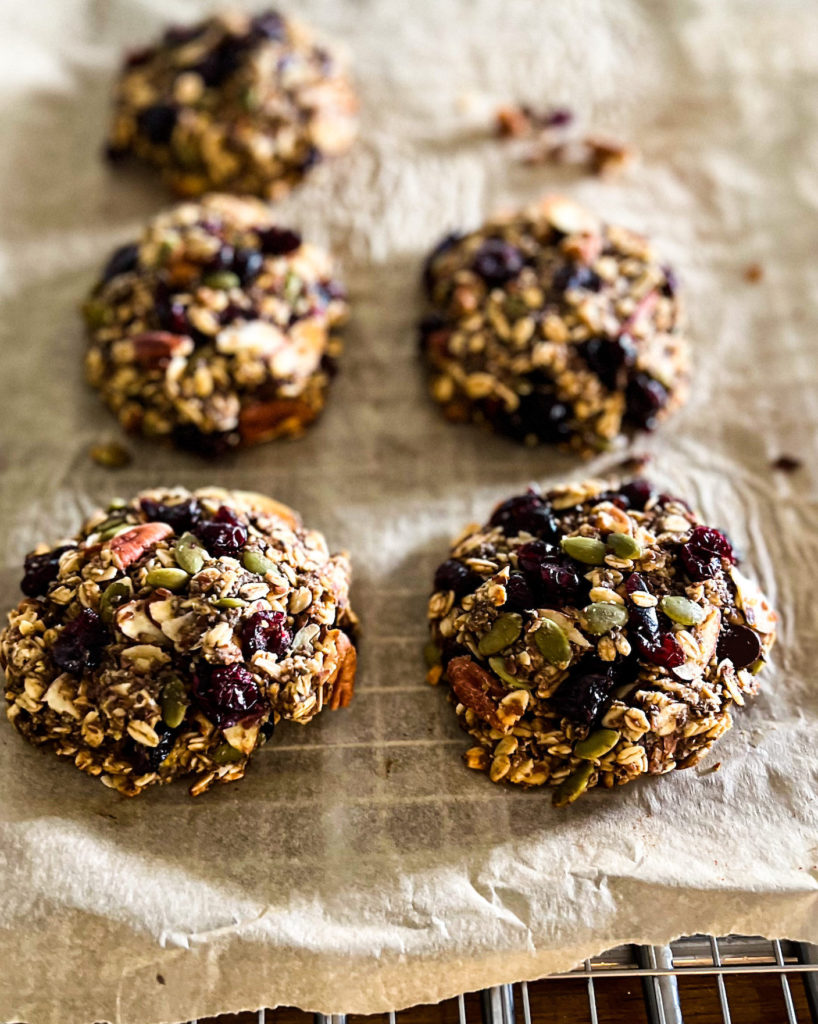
(217, 328)
(173, 633)
(591, 635)
(551, 326)
(241, 103)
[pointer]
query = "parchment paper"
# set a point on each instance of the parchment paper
(360, 867)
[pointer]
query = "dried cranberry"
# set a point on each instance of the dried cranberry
(266, 631)
(80, 643)
(531, 556)
(214, 445)
(539, 414)
(740, 644)
(703, 552)
(609, 358)
(574, 275)
(156, 123)
(181, 517)
(172, 316)
(455, 576)
(151, 759)
(278, 241)
(269, 25)
(247, 264)
(558, 117)
(497, 261)
(638, 493)
(226, 693)
(553, 577)
(222, 61)
(664, 650)
(41, 570)
(582, 697)
(124, 260)
(528, 512)
(446, 243)
(519, 595)
(645, 398)
(646, 619)
(225, 534)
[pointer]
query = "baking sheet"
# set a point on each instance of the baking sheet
(359, 866)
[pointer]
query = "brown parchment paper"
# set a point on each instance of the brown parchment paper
(360, 867)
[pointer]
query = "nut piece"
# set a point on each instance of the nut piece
(131, 545)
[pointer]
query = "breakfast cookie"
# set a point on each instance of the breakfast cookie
(551, 326)
(217, 328)
(594, 634)
(173, 633)
(238, 103)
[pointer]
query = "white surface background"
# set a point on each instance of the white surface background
(360, 866)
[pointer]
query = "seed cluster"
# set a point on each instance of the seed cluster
(217, 328)
(594, 634)
(173, 633)
(552, 327)
(239, 102)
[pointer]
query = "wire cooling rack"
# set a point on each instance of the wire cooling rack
(659, 970)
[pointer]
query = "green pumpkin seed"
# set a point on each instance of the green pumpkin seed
(174, 702)
(431, 654)
(97, 314)
(225, 754)
(115, 594)
(229, 602)
(584, 549)
(111, 527)
(757, 666)
(189, 553)
(603, 616)
(111, 456)
(171, 579)
(597, 744)
(688, 613)
(574, 786)
(254, 561)
(224, 279)
(623, 545)
(553, 643)
(503, 633)
(498, 666)
(292, 287)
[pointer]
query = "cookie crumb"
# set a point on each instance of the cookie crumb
(753, 273)
(111, 455)
(786, 463)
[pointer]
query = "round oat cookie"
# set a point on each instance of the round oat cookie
(551, 326)
(217, 328)
(238, 103)
(173, 633)
(593, 634)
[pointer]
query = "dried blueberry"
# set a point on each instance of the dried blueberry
(278, 241)
(247, 264)
(222, 61)
(151, 759)
(41, 570)
(226, 693)
(497, 261)
(156, 123)
(583, 696)
(539, 414)
(703, 552)
(645, 398)
(455, 576)
(225, 534)
(519, 594)
(124, 260)
(181, 516)
(574, 275)
(609, 358)
(266, 631)
(528, 513)
(80, 643)
(740, 644)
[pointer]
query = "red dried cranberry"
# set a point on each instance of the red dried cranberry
(446, 243)
(80, 643)
(664, 650)
(181, 517)
(497, 261)
(225, 534)
(519, 595)
(645, 398)
(156, 123)
(646, 619)
(531, 556)
(571, 276)
(553, 577)
(266, 631)
(124, 260)
(528, 512)
(41, 570)
(638, 493)
(539, 414)
(171, 316)
(703, 552)
(278, 241)
(740, 644)
(582, 697)
(609, 358)
(226, 693)
(455, 576)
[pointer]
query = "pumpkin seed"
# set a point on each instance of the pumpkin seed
(574, 786)
(504, 631)
(111, 527)
(757, 666)
(680, 609)
(172, 579)
(111, 456)
(498, 667)
(603, 616)
(96, 314)
(229, 602)
(225, 754)
(597, 744)
(189, 553)
(224, 279)
(431, 654)
(115, 594)
(174, 702)
(623, 545)
(584, 549)
(553, 643)
(254, 561)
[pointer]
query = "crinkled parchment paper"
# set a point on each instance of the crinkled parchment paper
(359, 866)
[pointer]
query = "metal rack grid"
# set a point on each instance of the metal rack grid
(658, 968)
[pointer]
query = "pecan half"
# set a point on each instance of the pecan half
(263, 421)
(154, 349)
(342, 680)
(127, 547)
(477, 689)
